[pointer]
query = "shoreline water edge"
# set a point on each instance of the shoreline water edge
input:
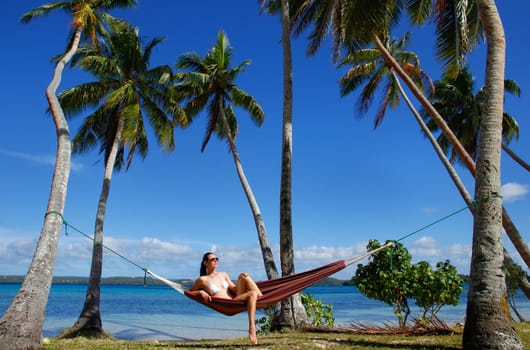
(151, 312)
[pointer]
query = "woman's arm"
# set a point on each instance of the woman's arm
(198, 289)
(232, 288)
(197, 285)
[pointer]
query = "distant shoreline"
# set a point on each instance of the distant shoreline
(136, 281)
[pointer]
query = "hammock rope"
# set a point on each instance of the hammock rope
(276, 289)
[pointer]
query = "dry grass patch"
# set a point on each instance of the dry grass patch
(307, 340)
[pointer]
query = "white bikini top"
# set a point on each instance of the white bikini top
(214, 288)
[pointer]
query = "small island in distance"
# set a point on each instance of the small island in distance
(135, 281)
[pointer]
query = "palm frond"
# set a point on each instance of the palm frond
(161, 124)
(243, 99)
(419, 11)
(191, 61)
(45, 10)
(355, 77)
(382, 107)
(512, 87)
(510, 128)
(77, 99)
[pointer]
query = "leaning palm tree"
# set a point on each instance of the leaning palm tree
(21, 325)
(370, 68)
(454, 97)
(443, 35)
(462, 108)
(358, 22)
(291, 313)
(127, 91)
(209, 83)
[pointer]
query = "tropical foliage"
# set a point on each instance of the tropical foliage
(391, 278)
(387, 277)
(21, 325)
(126, 91)
(462, 107)
(435, 289)
(369, 68)
(117, 125)
(209, 83)
(513, 275)
(318, 313)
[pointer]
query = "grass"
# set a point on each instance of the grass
(289, 340)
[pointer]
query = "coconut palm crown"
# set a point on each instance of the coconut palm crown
(126, 88)
(209, 83)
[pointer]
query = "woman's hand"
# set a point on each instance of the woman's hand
(205, 296)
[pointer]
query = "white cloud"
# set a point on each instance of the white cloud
(153, 248)
(428, 210)
(513, 191)
(39, 159)
(430, 250)
(19, 252)
(316, 255)
(175, 260)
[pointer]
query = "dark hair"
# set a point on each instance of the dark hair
(203, 271)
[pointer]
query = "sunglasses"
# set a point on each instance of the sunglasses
(213, 259)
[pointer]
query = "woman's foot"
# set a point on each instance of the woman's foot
(252, 335)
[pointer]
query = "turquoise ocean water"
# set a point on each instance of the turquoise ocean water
(158, 312)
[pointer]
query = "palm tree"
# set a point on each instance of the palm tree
(488, 323)
(368, 65)
(209, 83)
(509, 226)
(21, 325)
(292, 313)
(462, 109)
(360, 22)
(488, 320)
(126, 92)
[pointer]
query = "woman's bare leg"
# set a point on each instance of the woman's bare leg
(250, 298)
(245, 283)
(248, 291)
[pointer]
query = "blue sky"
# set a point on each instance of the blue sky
(351, 183)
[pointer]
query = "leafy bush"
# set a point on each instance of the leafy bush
(387, 277)
(318, 313)
(390, 277)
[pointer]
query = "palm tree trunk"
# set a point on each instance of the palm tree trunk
(509, 226)
(89, 321)
(266, 251)
(292, 313)
(488, 322)
(515, 157)
(21, 324)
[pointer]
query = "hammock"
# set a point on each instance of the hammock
(273, 290)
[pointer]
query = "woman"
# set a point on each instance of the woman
(217, 284)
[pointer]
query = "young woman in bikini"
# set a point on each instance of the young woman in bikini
(218, 284)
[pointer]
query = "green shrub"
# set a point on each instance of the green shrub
(319, 314)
